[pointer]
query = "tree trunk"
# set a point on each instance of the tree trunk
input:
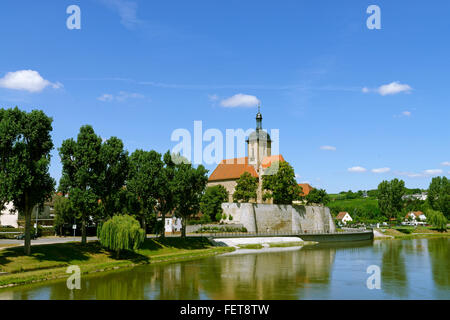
(163, 230)
(83, 231)
(183, 228)
(144, 226)
(27, 244)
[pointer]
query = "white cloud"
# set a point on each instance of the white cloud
(446, 163)
(393, 88)
(27, 80)
(213, 97)
(328, 148)
(381, 170)
(433, 171)
(406, 113)
(120, 97)
(357, 169)
(240, 100)
(389, 89)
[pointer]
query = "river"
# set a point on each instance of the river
(409, 269)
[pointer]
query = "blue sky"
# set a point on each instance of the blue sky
(347, 100)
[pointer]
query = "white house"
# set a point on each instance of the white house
(172, 225)
(7, 218)
(344, 217)
(416, 217)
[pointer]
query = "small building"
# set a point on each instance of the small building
(344, 217)
(172, 225)
(416, 217)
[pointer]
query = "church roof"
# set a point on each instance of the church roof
(306, 188)
(232, 169)
(260, 135)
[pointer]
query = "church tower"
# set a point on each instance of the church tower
(259, 144)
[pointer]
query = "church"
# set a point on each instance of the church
(259, 158)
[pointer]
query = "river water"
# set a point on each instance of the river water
(409, 269)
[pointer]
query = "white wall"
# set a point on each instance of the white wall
(8, 219)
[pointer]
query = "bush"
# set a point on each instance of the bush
(121, 233)
(405, 230)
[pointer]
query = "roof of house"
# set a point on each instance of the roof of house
(416, 213)
(341, 215)
(232, 169)
(306, 189)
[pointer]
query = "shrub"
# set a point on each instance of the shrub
(121, 233)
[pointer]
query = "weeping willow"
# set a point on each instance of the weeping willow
(121, 233)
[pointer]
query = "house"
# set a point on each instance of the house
(172, 225)
(415, 217)
(44, 216)
(344, 217)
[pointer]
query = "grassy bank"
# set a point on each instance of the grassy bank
(411, 233)
(50, 261)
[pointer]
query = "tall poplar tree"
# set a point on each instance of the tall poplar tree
(25, 145)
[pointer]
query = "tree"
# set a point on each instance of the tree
(439, 195)
(189, 184)
(81, 174)
(113, 174)
(211, 203)
(64, 213)
(166, 200)
(144, 183)
(436, 219)
(121, 233)
(25, 145)
(318, 196)
(390, 195)
(245, 188)
(279, 179)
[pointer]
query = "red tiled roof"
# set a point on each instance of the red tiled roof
(267, 161)
(306, 189)
(231, 169)
(341, 215)
(416, 213)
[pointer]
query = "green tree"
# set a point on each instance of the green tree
(390, 195)
(318, 196)
(439, 195)
(166, 201)
(81, 175)
(113, 174)
(189, 185)
(121, 232)
(436, 219)
(25, 145)
(211, 204)
(245, 188)
(64, 213)
(144, 183)
(279, 180)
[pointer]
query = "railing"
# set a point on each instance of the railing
(276, 233)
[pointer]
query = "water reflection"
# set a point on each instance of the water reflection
(410, 269)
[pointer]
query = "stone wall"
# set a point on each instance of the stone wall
(280, 218)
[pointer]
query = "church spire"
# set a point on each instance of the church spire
(259, 118)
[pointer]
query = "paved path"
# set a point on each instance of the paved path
(49, 240)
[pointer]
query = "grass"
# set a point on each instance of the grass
(50, 261)
(417, 233)
(251, 246)
(290, 244)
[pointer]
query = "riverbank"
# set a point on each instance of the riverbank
(50, 261)
(417, 233)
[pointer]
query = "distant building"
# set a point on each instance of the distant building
(344, 217)
(416, 217)
(418, 196)
(172, 225)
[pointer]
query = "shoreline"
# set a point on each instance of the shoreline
(57, 272)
